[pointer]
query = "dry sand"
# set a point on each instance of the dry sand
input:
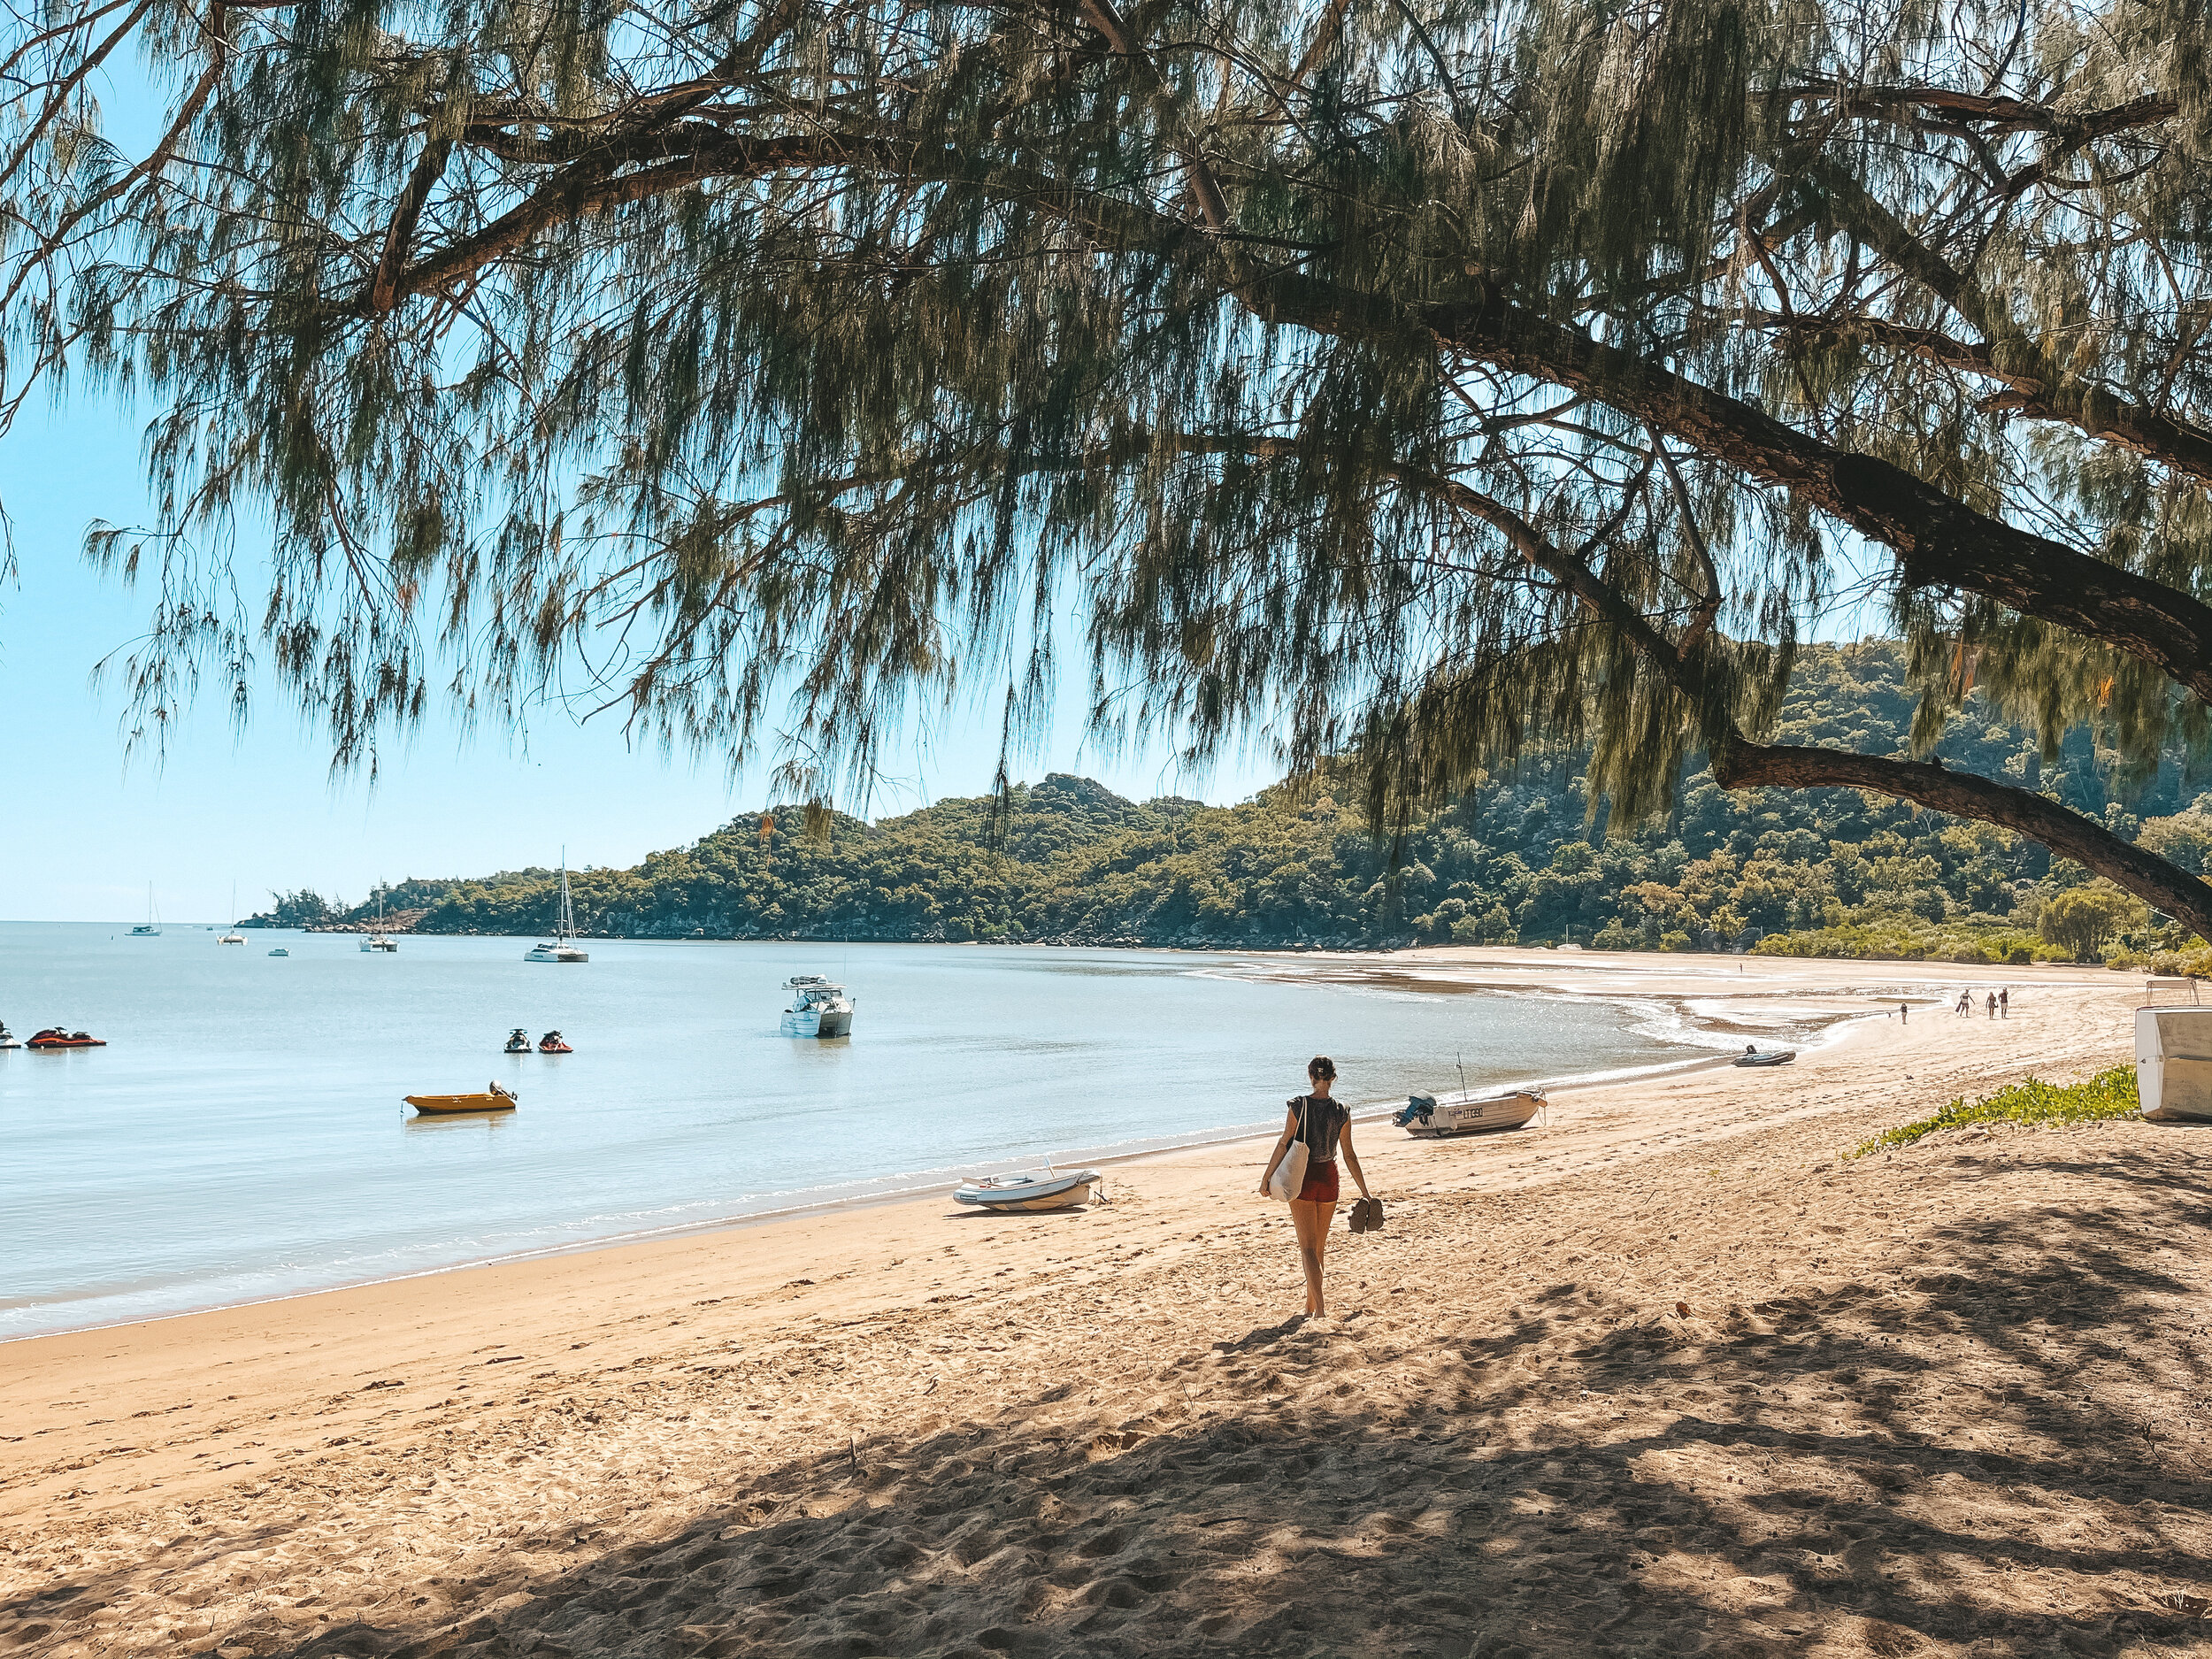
(1663, 1375)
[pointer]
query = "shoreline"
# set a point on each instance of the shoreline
(1421, 971)
(1509, 972)
(1667, 1368)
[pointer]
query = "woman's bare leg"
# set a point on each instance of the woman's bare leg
(1312, 1223)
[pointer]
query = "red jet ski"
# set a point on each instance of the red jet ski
(552, 1043)
(55, 1037)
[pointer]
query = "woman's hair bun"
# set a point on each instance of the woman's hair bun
(1321, 1066)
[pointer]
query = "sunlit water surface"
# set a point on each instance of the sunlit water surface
(242, 1136)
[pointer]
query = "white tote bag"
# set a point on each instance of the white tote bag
(1289, 1178)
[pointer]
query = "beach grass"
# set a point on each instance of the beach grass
(2110, 1093)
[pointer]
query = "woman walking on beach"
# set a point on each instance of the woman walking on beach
(1324, 1125)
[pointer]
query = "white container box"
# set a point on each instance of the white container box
(2173, 1062)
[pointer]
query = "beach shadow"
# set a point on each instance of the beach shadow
(1753, 1480)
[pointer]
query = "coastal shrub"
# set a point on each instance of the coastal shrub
(2111, 1093)
(1892, 941)
(2083, 919)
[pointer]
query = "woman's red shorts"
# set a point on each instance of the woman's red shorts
(1320, 1187)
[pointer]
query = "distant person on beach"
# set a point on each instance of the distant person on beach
(1324, 1125)
(1993, 1005)
(1904, 1013)
(2004, 1004)
(1966, 1003)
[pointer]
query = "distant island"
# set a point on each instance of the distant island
(1517, 861)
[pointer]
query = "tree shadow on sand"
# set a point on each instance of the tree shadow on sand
(1591, 1479)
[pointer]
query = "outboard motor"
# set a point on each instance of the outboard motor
(1421, 1106)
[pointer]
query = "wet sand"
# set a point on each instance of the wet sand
(1664, 1374)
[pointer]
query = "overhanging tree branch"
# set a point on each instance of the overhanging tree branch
(1738, 764)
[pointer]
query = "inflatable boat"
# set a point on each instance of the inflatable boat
(1751, 1056)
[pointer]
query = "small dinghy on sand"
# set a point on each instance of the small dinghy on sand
(1751, 1056)
(1431, 1116)
(1037, 1189)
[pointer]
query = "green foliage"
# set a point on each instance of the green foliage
(304, 908)
(2107, 1094)
(1426, 384)
(1513, 860)
(1894, 942)
(2082, 919)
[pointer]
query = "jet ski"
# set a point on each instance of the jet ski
(518, 1041)
(55, 1037)
(552, 1043)
(1773, 1057)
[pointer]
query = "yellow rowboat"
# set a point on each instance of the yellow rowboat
(497, 1099)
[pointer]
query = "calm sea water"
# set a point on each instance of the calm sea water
(242, 1136)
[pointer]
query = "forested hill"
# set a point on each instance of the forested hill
(1514, 861)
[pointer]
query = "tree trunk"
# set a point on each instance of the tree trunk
(1738, 764)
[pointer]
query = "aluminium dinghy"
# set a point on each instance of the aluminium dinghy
(1431, 1116)
(1035, 1189)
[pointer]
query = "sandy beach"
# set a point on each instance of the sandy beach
(1664, 1373)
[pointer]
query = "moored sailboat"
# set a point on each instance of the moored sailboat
(379, 940)
(150, 928)
(560, 949)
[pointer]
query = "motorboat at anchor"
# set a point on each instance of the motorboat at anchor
(494, 1098)
(58, 1037)
(1432, 1117)
(8, 1039)
(553, 1042)
(1752, 1056)
(280, 951)
(560, 949)
(1034, 1189)
(817, 1009)
(519, 1041)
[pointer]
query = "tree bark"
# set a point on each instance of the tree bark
(1738, 764)
(1938, 542)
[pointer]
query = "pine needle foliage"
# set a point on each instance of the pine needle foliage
(1412, 382)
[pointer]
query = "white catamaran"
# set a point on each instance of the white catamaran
(560, 949)
(379, 941)
(150, 928)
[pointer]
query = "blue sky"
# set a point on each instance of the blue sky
(90, 825)
(87, 829)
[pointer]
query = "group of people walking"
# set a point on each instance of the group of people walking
(2000, 1005)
